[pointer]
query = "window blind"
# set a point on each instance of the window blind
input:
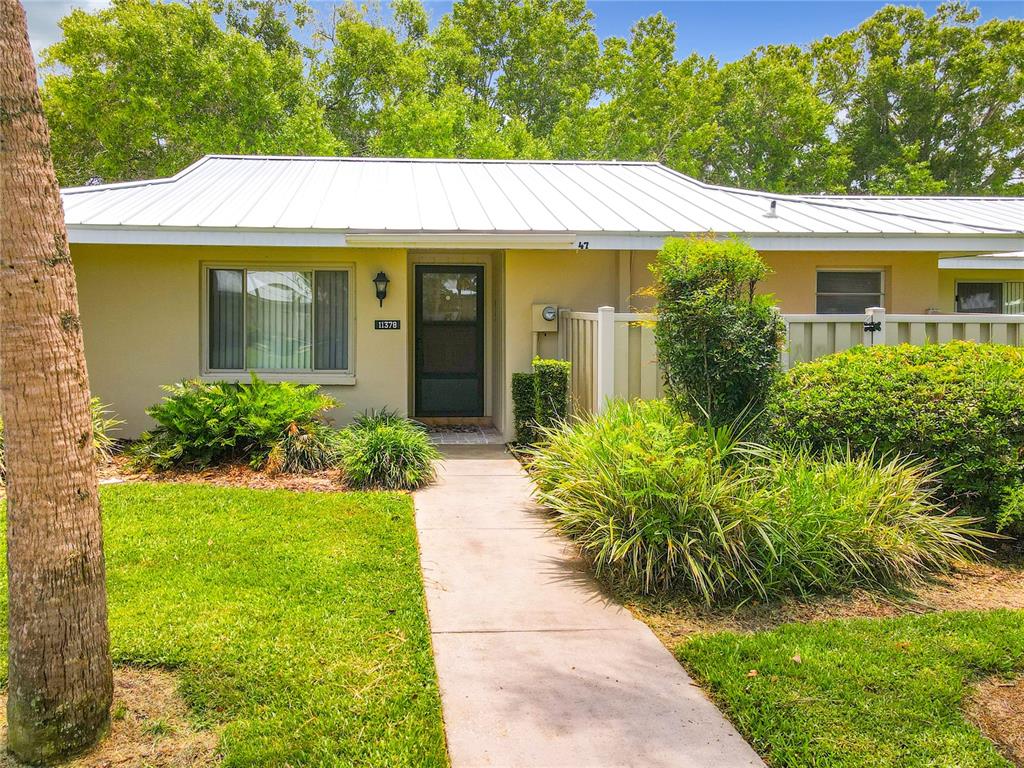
(278, 320)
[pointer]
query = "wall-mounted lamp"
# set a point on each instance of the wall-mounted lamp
(380, 282)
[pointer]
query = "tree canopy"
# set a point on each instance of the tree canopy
(906, 102)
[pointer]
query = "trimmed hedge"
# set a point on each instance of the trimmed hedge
(540, 398)
(524, 406)
(552, 391)
(959, 405)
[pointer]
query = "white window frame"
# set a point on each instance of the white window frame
(345, 377)
(881, 284)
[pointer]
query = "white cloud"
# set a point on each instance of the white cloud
(43, 16)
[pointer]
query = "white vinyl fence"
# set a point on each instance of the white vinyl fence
(613, 353)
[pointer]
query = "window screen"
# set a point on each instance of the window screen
(278, 320)
(979, 297)
(849, 292)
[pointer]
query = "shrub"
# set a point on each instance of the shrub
(309, 448)
(856, 520)
(540, 398)
(659, 502)
(959, 405)
(102, 441)
(1010, 518)
(718, 343)
(379, 417)
(524, 406)
(391, 453)
(200, 424)
(552, 391)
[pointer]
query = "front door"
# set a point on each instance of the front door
(449, 341)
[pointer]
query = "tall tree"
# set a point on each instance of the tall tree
(775, 127)
(532, 60)
(451, 124)
(652, 107)
(368, 66)
(59, 686)
(272, 22)
(142, 89)
(929, 98)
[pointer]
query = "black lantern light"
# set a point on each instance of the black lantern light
(380, 282)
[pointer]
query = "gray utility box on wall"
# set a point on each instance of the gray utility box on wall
(545, 318)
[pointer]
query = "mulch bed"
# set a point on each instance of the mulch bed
(228, 475)
(971, 587)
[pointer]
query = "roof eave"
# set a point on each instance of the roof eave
(949, 244)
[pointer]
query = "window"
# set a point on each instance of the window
(1013, 298)
(849, 291)
(278, 320)
(979, 297)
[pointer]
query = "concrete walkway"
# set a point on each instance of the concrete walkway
(536, 666)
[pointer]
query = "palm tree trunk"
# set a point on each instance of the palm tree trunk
(59, 686)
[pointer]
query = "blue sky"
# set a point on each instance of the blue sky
(726, 28)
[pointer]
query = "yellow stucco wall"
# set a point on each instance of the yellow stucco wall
(948, 279)
(580, 280)
(911, 278)
(142, 313)
(141, 316)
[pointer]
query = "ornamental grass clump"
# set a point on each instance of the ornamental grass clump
(313, 447)
(653, 500)
(385, 451)
(856, 520)
(659, 503)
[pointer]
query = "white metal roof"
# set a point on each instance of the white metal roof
(990, 261)
(475, 202)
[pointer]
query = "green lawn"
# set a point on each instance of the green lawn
(866, 693)
(295, 619)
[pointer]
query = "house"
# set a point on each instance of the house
(993, 283)
(423, 285)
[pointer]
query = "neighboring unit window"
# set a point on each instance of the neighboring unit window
(979, 297)
(849, 292)
(278, 320)
(1013, 298)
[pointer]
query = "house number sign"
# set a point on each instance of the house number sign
(387, 325)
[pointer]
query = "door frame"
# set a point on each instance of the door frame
(442, 266)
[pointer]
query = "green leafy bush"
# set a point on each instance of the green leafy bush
(552, 391)
(718, 343)
(1010, 518)
(959, 405)
(540, 398)
(386, 451)
(103, 442)
(200, 424)
(659, 502)
(524, 406)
